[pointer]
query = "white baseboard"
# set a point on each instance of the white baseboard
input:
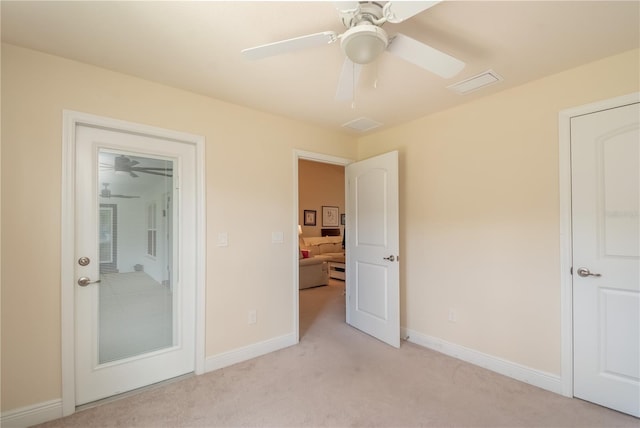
(534, 377)
(248, 352)
(32, 415)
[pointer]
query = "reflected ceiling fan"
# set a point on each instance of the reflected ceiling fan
(364, 40)
(125, 165)
(106, 193)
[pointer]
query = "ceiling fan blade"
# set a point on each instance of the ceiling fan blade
(425, 56)
(348, 80)
(398, 11)
(124, 196)
(144, 170)
(290, 45)
(347, 9)
(347, 6)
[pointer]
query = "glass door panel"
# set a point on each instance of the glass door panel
(136, 298)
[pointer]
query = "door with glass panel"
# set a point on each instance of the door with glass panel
(135, 270)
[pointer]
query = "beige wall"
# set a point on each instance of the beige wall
(480, 213)
(249, 190)
(319, 184)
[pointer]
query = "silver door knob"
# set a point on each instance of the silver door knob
(584, 272)
(390, 258)
(83, 281)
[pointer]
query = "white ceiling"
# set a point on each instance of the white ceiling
(196, 46)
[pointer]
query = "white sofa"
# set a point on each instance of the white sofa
(313, 269)
(323, 247)
(313, 273)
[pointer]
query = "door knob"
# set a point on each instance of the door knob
(83, 281)
(584, 272)
(390, 258)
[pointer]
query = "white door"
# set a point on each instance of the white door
(134, 325)
(373, 296)
(606, 264)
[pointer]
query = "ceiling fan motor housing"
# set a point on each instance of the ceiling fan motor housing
(364, 39)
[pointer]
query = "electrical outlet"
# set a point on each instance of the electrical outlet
(253, 316)
(453, 317)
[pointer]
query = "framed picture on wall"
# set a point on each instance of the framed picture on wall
(330, 216)
(309, 217)
(343, 219)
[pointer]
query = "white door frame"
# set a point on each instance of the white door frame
(67, 277)
(566, 280)
(316, 157)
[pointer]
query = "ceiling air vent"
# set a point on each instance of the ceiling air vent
(474, 83)
(362, 124)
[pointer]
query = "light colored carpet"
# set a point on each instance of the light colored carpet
(340, 377)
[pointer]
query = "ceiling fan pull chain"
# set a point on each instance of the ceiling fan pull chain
(353, 87)
(375, 80)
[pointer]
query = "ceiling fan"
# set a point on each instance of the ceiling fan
(125, 165)
(365, 39)
(106, 193)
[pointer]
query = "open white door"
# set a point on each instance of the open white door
(605, 166)
(373, 295)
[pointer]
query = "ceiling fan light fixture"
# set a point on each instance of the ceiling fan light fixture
(363, 43)
(121, 165)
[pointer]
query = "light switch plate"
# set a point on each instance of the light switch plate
(277, 237)
(223, 239)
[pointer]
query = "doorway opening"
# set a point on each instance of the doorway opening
(321, 192)
(309, 224)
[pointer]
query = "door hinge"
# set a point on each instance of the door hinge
(571, 270)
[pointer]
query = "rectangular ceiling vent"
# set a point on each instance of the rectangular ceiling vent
(362, 124)
(474, 83)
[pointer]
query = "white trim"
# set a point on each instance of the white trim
(201, 253)
(319, 157)
(566, 284)
(249, 352)
(70, 120)
(295, 248)
(67, 234)
(32, 415)
(534, 377)
(316, 157)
